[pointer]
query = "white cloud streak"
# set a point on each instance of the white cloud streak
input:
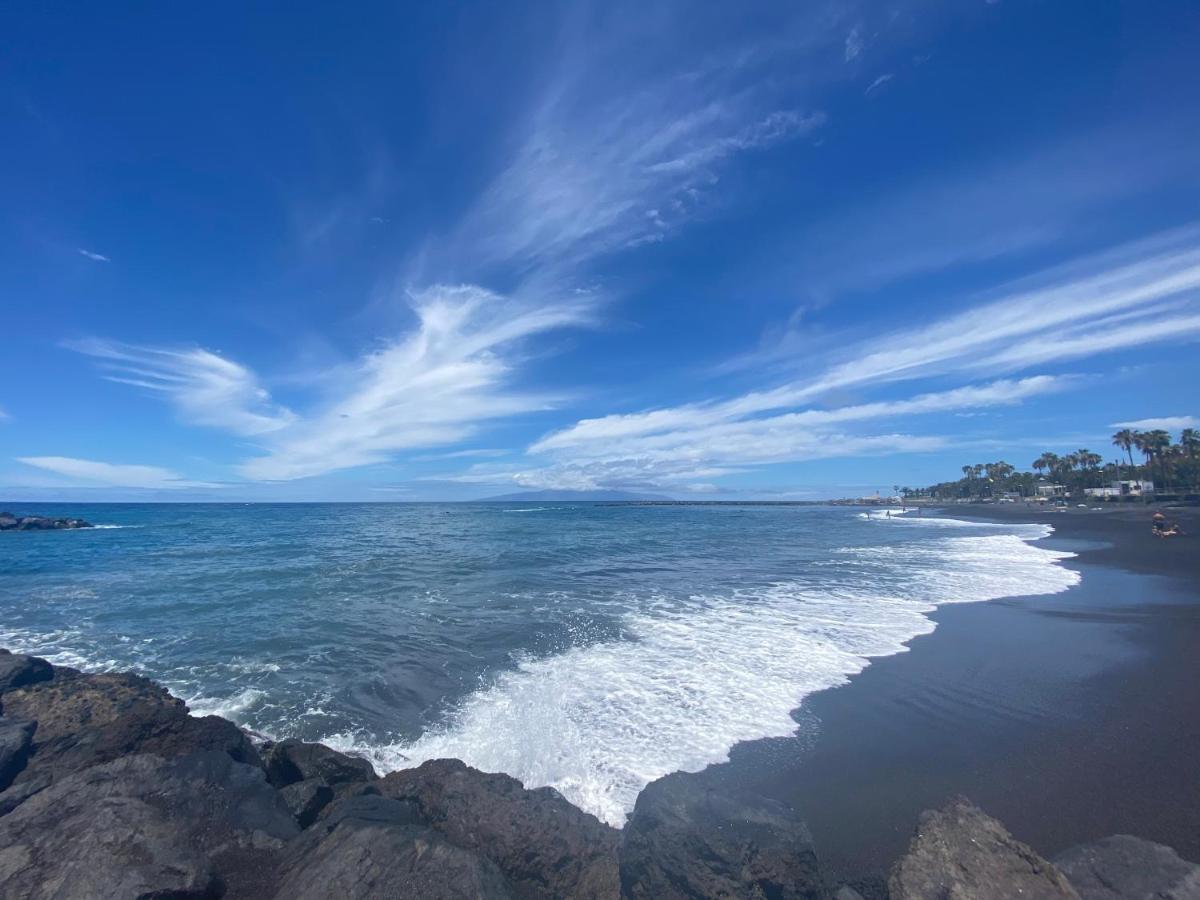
(94, 257)
(610, 157)
(1166, 423)
(722, 443)
(429, 388)
(879, 82)
(206, 389)
(1123, 304)
(111, 474)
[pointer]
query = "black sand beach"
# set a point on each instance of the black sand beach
(1069, 717)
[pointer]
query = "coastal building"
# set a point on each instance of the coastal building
(1117, 489)
(1046, 491)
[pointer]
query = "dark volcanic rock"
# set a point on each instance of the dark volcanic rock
(15, 740)
(9, 522)
(544, 846)
(684, 841)
(84, 720)
(1122, 867)
(18, 670)
(142, 826)
(306, 799)
(19, 793)
(958, 851)
(373, 846)
(291, 761)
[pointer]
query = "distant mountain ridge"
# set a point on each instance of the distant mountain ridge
(560, 496)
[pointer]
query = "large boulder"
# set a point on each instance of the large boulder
(15, 740)
(544, 846)
(958, 851)
(292, 761)
(143, 826)
(85, 720)
(18, 670)
(683, 841)
(373, 846)
(1122, 867)
(306, 799)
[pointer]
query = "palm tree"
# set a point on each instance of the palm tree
(1189, 442)
(1125, 440)
(1155, 445)
(1047, 461)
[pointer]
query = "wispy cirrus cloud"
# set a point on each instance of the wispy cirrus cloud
(1166, 423)
(431, 387)
(205, 388)
(106, 474)
(719, 442)
(1141, 294)
(94, 257)
(1135, 296)
(611, 156)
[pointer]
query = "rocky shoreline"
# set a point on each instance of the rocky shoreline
(110, 788)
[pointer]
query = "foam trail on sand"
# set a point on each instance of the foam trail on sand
(600, 722)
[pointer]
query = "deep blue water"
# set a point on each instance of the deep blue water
(590, 647)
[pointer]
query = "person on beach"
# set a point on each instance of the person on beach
(1160, 528)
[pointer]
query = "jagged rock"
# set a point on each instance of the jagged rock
(19, 793)
(144, 826)
(373, 846)
(84, 720)
(306, 799)
(18, 670)
(15, 739)
(9, 522)
(291, 761)
(684, 841)
(1122, 867)
(958, 851)
(544, 846)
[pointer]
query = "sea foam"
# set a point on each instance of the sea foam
(600, 722)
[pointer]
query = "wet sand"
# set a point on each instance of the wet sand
(1069, 717)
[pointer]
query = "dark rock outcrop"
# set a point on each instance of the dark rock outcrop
(85, 720)
(18, 670)
(958, 851)
(291, 761)
(685, 842)
(544, 846)
(373, 846)
(1122, 867)
(306, 799)
(10, 522)
(15, 740)
(19, 793)
(198, 826)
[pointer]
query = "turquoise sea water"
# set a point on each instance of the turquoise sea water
(588, 647)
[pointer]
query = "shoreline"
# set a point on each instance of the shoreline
(1067, 716)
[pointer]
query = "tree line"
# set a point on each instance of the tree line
(1173, 467)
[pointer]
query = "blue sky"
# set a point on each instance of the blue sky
(783, 250)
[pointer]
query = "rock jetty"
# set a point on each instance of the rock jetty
(109, 788)
(10, 522)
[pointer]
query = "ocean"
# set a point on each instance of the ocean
(589, 647)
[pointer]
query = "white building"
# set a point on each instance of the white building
(1118, 489)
